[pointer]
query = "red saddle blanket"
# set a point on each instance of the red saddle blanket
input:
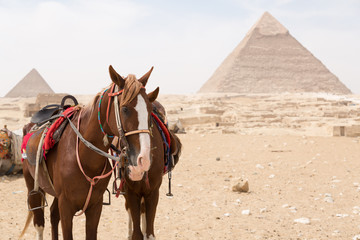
(49, 140)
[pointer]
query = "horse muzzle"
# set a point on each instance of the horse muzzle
(143, 162)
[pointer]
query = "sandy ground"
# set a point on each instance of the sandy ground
(290, 177)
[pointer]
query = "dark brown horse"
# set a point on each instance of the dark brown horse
(124, 112)
(141, 197)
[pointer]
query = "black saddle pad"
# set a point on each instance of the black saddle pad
(45, 113)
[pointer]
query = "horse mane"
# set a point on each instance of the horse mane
(131, 89)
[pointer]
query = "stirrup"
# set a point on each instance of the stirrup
(32, 193)
(109, 202)
(169, 194)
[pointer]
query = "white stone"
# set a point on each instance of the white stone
(356, 237)
(259, 166)
(293, 209)
(272, 176)
(302, 220)
(262, 210)
(329, 199)
(245, 212)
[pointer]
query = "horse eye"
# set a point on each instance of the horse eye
(125, 110)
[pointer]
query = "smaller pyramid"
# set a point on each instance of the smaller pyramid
(30, 86)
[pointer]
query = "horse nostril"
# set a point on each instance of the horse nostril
(140, 163)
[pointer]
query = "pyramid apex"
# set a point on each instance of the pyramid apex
(268, 25)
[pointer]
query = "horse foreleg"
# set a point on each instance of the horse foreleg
(54, 219)
(66, 217)
(143, 216)
(92, 220)
(133, 207)
(151, 203)
(130, 224)
(35, 200)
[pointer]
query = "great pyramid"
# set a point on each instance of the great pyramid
(30, 86)
(270, 60)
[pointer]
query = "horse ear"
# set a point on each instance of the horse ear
(145, 78)
(116, 78)
(153, 95)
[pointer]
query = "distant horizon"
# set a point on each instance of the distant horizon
(72, 43)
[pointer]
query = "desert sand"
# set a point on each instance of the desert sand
(303, 181)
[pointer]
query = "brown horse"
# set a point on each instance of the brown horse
(141, 197)
(123, 112)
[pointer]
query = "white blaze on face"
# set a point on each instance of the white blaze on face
(143, 159)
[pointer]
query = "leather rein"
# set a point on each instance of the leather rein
(124, 145)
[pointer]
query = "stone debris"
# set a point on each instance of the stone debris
(356, 237)
(241, 186)
(272, 176)
(342, 215)
(356, 210)
(204, 111)
(328, 198)
(293, 209)
(302, 220)
(263, 210)
(259, 166)
(246, 212)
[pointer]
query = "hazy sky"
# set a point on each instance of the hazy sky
(72, 42)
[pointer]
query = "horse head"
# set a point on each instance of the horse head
(134, 113)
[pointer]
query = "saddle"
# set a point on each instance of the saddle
(52, 111)
(172, 150)
(41, 134)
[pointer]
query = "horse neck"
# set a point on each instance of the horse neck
(90, 129)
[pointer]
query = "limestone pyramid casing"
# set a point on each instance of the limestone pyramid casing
(30, 86)
(270, 60)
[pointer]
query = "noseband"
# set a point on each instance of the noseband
(124, 145)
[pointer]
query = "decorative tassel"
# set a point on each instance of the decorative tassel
(106, 140)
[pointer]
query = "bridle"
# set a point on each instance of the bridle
(122, 143)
